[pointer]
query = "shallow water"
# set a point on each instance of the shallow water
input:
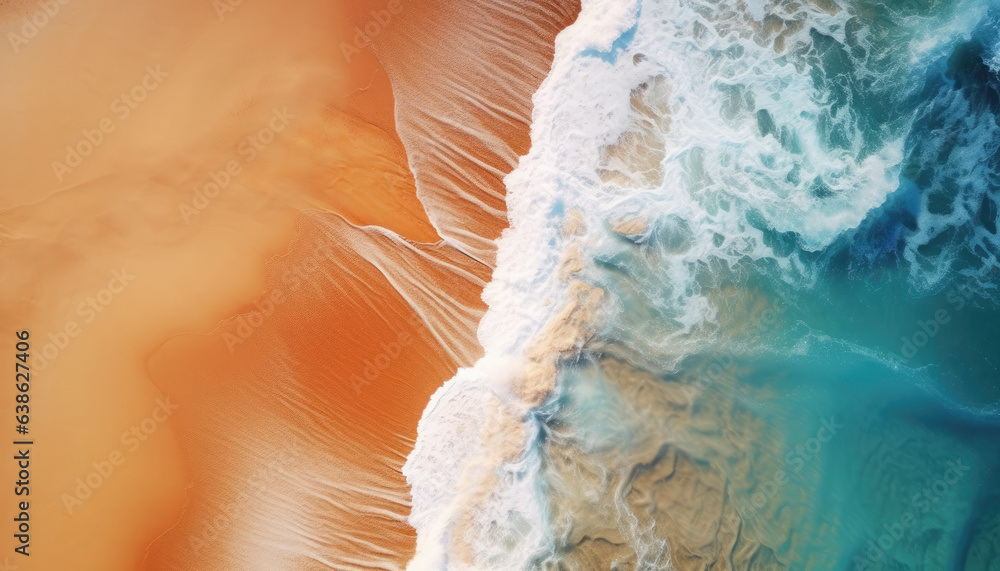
(795, 362)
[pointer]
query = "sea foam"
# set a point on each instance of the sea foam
(716, 135)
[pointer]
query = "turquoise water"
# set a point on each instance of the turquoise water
(866, 393)
(795, 361)
(846, 442)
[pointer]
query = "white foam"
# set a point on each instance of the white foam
(524, 294)
(718, 169)
(439, 468)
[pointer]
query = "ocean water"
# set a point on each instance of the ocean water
(791, 210)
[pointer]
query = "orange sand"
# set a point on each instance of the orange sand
(336, 497)
(463, 74)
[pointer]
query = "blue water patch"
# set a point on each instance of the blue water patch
(557, 210)
(845, 396)
(620, 44)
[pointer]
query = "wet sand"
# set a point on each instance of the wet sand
(300, 413)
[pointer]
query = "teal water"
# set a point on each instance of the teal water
(795, 362)
(848, 375)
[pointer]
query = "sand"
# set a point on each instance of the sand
(270, 429)
(638, 500)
